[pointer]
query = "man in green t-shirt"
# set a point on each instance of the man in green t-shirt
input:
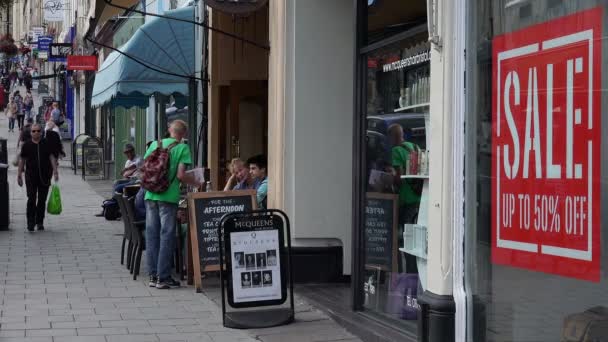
(409, 198)
(161, 209)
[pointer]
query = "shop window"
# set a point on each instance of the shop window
(394, 229)
(535, 210)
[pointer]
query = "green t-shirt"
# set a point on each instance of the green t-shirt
(180, 154)
(400, 155)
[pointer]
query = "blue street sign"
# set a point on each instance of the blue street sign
(44, 42)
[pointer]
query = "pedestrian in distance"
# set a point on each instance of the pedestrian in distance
(53, 139)
(27, 79)
(161, 207)
(28, 104)
(11, 114)
(20, 76)
(20, 114)
(56, 115)
(39, 165)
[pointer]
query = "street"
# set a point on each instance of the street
(67, 284)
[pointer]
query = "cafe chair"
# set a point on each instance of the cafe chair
(139, 241)
(127, 235)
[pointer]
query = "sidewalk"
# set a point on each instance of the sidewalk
(67, 284)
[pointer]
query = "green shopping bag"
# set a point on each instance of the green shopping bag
(53, 207)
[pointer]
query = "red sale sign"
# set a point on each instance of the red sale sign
(546, 125)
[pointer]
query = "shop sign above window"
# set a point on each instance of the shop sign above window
(58, 52)
(82, 63)
(546, 146)
(414, 56)
(236, 6)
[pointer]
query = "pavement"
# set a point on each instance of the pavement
(67, 284)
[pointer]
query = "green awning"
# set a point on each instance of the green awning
(163, 44)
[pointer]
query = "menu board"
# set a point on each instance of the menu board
(93, 161)
(206, 209)
(381, 231)
(91, 157)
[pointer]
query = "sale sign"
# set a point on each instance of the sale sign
(546, 143)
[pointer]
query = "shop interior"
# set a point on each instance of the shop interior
(238, 91)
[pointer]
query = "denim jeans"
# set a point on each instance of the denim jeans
(160, 237)
(11, 123)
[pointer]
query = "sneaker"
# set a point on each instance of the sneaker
(167, 284)
(153, 281)
(30, 228)
(40, 227)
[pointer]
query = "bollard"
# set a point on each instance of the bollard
(4, 205)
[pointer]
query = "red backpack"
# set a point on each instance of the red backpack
(155, 171)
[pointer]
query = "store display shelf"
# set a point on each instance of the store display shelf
(420, 105)
(414, 177)
(415, 240)
(414, 252)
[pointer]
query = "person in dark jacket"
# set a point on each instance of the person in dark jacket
(54, 141)
(27, 79)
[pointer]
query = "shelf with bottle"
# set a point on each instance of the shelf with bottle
(412, 107)
(415, 240)
(417, 165)
(414, 177)
(415, 89)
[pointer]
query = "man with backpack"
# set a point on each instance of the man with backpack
(163, 170)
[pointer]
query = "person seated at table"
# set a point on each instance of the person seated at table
(131, 171)
(240, 179)
(257, 170)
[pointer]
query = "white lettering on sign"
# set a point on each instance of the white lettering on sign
(532, 136)
(546, 141)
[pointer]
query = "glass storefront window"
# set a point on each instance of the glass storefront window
(536, 223)
(396, 116)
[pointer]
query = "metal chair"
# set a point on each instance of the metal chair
(139, 242)
(127, 235)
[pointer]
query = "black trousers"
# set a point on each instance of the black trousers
(20, 120)
(37, 191)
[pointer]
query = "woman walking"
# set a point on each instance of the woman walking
(20, 114)
(28, 104)
(11, 113)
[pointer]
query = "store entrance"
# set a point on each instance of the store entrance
(243, 128)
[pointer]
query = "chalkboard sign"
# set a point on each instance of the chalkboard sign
(206, 209)
(93, 161)
(381, 231)
(92, 157)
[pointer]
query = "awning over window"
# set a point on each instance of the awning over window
(163, 44)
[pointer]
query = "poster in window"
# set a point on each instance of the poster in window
(546, 146)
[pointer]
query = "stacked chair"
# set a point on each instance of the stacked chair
(133, 231)
(134, 235)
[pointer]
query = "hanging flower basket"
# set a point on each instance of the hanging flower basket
(7, 46)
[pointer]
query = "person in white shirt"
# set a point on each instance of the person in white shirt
(133, 163)
(132, 170)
